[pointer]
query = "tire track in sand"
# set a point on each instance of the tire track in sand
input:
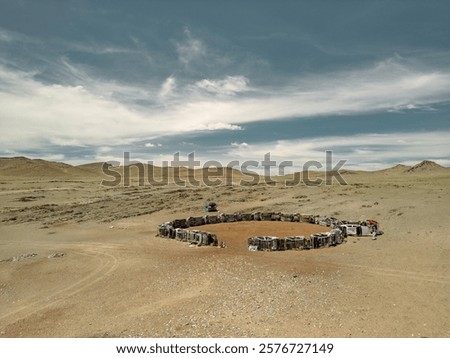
(108, 264)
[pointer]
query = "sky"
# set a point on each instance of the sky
(85, 81)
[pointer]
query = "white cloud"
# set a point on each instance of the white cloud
(8, 152)
(369, 151)
(104, 149)
(190, 49)
(219, 126)
(387, 86)
(167, 87)
(152, 145)
(34, 114)
(99, 49)
(239, 145)
(61, 115)
(12, 36)
(231, 85)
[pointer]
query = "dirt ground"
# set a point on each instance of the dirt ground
(114, 278)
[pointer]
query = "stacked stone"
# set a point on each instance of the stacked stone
(179, 229)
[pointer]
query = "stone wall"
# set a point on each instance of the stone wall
(180, 229)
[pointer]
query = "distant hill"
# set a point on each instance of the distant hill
(426, 166)
(399, 168)
(348, 171)
(38, 168)
(94, 168)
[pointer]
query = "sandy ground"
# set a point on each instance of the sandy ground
(116, 279)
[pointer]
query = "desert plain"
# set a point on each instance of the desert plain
(80, 259)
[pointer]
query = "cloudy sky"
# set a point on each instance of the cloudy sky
(84, 81)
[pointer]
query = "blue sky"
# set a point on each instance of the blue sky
(84, 81)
